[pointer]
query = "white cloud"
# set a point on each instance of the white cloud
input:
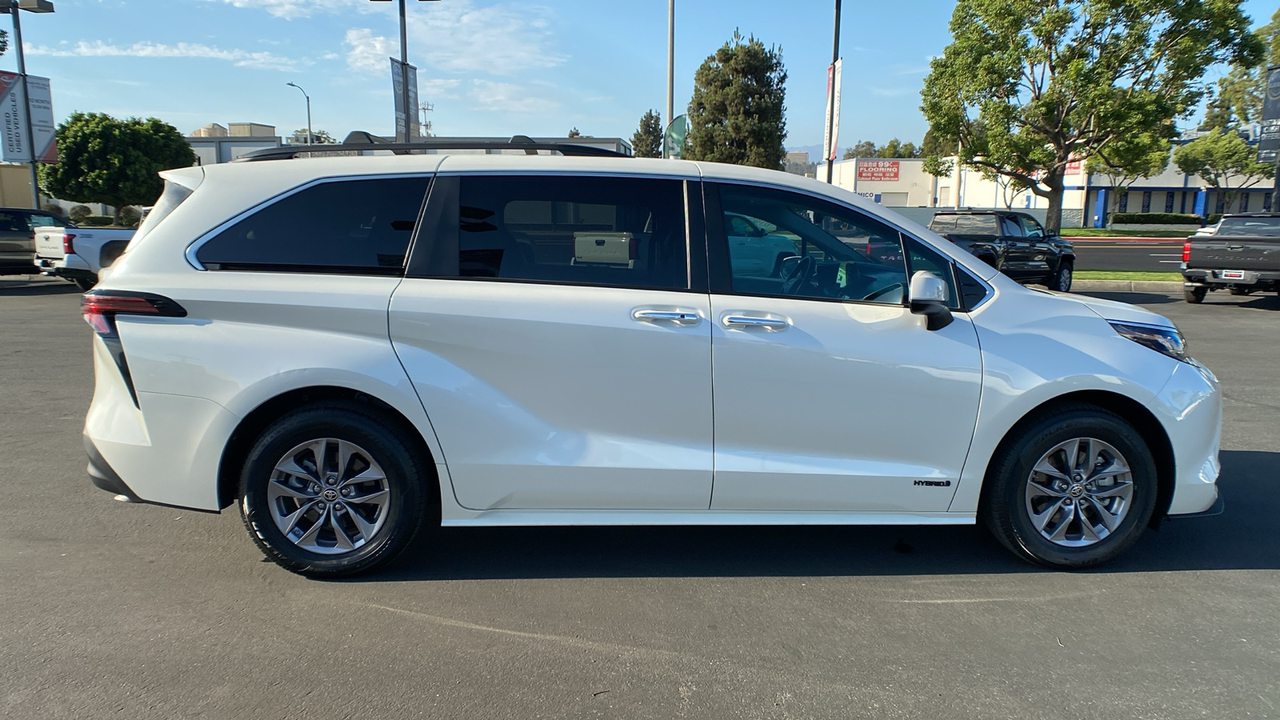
(292, 9)
(459, 38)
(509, 97)
(97, 48)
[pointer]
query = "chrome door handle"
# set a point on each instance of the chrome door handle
(744, 321)
(680, 317)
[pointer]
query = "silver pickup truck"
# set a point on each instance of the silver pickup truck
(1240, 254)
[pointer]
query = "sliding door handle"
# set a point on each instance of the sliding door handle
(680, 317)
(745, 321)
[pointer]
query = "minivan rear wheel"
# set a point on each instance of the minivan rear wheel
(332, 490)
(1072, 489)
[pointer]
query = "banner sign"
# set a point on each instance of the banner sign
(1269, 137)
(878, 170)
(831, 131)
(14, 119)
(412, 111)
(673, 139)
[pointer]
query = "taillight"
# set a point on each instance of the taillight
(68, 248)
(100, 307)
(633, 248)
(1186, 251)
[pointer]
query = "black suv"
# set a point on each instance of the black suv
(1012, 242)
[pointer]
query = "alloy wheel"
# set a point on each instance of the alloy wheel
(328, 496)
(1079, 492)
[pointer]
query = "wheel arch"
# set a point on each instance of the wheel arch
(256, 421)
(1143, 421)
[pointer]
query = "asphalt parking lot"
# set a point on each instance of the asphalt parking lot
(134, 611)
(1153, 256)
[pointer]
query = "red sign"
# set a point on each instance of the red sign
(878, 170)
(1074, 167)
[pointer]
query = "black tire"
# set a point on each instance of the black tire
(1061, 279)
(1194, 295)
(1004, 506)
(409, 478)
(85, 283)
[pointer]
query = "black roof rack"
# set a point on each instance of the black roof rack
(363, 141)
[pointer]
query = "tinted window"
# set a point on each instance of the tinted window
(10, 222)
(812, 248)
(1031, 226)
(621, 232)
(35, 221)
(349, 226)
(964, 224)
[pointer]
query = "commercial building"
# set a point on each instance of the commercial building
(214, 143)
(1086, 202)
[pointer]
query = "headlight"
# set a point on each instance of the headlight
(1164, 340)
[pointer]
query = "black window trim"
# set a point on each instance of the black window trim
(195, 245)
(440, 218)
(720, 273)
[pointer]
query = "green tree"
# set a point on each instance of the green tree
(1239, 95)
(738, 111)
(114, 162)
(1056, 81)
(1221, 158)
(573, 133)
(1127, 159)
(861, 149)
(647, 142)
(931, 146)
(318, 137)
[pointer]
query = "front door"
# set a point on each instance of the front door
(550, 328)
(829, 393)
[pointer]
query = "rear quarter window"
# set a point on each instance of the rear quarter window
(343, 226)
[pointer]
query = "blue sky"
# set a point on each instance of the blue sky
(536, 67)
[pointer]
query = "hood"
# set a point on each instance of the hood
(1112, 310)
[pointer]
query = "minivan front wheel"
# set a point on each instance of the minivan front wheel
(1071, 490)
(332, 490)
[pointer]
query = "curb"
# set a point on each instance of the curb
(1148, 286)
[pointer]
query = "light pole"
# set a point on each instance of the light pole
(404, 72)
(14, 7)
(671, 67)
(308, 97)
(831, 96)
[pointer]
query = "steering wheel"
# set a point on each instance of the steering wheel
(883, 291)
(796, 276)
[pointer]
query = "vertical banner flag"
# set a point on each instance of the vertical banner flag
(42, 125)
(397, 88)
(831, 130)
(415, 125)
(673, 140)
(1269, 138)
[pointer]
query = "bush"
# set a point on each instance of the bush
(1156, 218)
(1214, 218)
(129, 216)
(53, 209)
(78, 213)
(98, 220)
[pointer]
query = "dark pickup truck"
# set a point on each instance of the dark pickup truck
(1241, 254)
(1012, 242)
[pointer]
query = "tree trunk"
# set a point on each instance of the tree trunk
(1053, 219)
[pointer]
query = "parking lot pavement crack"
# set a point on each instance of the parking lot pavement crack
(541, 637)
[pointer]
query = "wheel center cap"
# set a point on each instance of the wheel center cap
(330, 495)
(1076, 490)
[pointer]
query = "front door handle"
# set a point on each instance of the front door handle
(746, 321)
(680, 317)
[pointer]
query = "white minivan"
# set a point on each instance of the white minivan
(353, 349)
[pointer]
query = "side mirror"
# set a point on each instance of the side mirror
(928, 297)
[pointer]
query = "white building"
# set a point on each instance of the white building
(902, 182)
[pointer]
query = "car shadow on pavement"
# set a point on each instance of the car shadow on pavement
(1243, 537)
(17, 286)
(1135, 298)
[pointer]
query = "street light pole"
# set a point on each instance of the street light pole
(14, 8)
(310, 137)
(404, 74)
(671, 65)
(831, 96)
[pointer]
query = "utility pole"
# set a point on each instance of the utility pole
(831, 97)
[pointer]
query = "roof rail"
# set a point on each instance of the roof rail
(360, 140)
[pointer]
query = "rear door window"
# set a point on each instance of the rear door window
(343, 226)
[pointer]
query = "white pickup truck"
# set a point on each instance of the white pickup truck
(78, 254)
